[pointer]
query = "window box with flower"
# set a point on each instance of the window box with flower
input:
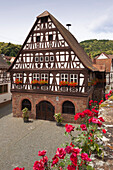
(43, 82)
(18, 83)
(63, 83)
(35, 84)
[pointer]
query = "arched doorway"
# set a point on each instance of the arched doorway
(26, 103)
(68, 107)
(45, 111)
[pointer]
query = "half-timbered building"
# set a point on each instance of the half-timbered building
(5, 94)
(49, 58)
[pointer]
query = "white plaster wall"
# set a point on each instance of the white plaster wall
(6, 96)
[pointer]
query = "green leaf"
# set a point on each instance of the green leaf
(90, 167)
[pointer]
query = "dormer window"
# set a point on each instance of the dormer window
(38, 39)
(50, 37)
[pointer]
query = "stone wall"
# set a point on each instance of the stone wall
(80, 103)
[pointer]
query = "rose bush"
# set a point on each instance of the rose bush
(76, 155)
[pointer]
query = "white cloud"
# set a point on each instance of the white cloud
(103, 24)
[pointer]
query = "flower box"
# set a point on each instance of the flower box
(64, 84)
(17, 81)
(72, 84)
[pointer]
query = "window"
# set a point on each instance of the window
(36, 76)
(19, 76)
(73, 78)
(38, 39)
(51, 37)
(64, 77)
(46, 58)
(44, 76)
(44, 19)
(41, 59)
(36, 59)
(68, 107)
(26, 103)
(4, 88)
(52, 58)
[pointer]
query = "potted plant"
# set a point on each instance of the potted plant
(25, 114)
(58, 118)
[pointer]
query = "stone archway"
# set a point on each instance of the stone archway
(45, 110)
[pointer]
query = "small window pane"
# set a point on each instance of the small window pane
(47, 59)
(52, 58)
(36, 59)
(38, 38)
(41, 59)
(50, 37)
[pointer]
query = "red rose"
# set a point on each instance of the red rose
(82, 114)
(88, 112)
(73, 159)
(72, 144)
(55, 160)
(71, 167)
(44, 160)
(101, 119)
(76, 116)
(84, 156)
(61, 153)
(103, 130)
(17, 168)
(76, 150)
(38, 165)
(42, 153)
(94, 110)
(68, 149)
(83, 127)
(91, 101)
(89, 138)
(69, 128)
(99, 124)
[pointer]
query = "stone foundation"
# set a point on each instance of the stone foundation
(80, 104)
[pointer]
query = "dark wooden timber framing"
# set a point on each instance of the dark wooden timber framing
(50, 52)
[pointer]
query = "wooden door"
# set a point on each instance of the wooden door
(45, 111)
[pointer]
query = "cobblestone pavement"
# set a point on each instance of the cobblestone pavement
(20, 142)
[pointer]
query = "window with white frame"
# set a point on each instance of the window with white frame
(19, 76)
(44, 76)
(51, 58)
(64, 77)
(36, 76)
(74, 78)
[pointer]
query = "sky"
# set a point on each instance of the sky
(89, 19)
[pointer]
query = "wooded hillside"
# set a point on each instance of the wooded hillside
(96, 47)
(93, 47)
(9, 49)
